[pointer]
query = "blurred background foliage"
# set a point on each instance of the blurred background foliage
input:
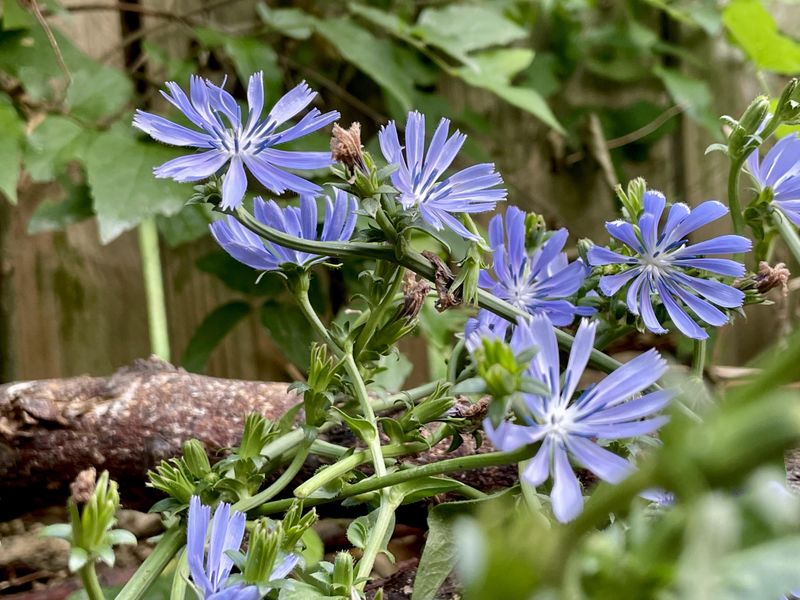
(568, 97)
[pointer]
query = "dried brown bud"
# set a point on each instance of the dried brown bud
(771, 277)
(414, 293)
(82, 487)
(443, 279)
(346, 147)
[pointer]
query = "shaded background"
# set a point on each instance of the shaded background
(633, 88)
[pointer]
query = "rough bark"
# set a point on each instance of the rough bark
(50, 430)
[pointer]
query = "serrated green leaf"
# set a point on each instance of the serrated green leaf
(188, 225)
(10, 149)
(239, 277)
(54, 216)
(77, 558)
(755, 30)
(462, 28)
(693, 95)
(97, 93)
(117, 537)
(214, 328)
(120, 174)
(57, 530)
(291, 22)
(372, 55)
(55, 142)
(289, 330)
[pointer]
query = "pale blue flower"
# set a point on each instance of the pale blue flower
(226, 138)
(539, 281)
(485, 325)
(418, 176)
(569, 426)
(248, 248)
(780, 171)
(227, 531)
(667, 265)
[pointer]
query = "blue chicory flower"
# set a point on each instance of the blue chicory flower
(227, 531)
(662, 263)
(485, 325)
(537, 282)
(567, 427)
(780, 171)
(246, 247)
(226, 138)
(418, 175)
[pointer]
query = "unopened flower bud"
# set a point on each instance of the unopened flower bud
(788, 108)
(194, 454)
(740, 141)
(584, 245)
(342, 577)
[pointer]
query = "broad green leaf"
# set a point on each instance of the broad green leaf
(10, 149)
(693, 95)
(186, 226)
(768, 570)
(439, 555)
(314, 550)
(239, 277)
(755, 30)
(97, 93)
(372, 55)
(55, 142)
(289, 330)
(251, 55)
(502, 64)
(527, 99)
(359, 530)
(394, 369)
(462, 28)
(54, 216)
(217, 324)
(384, 19)
(120, 173)
(424, 487)
(291, 22)
(77, 558)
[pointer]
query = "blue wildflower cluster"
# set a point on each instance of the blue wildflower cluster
(543, 314)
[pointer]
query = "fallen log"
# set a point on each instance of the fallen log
(50, 430)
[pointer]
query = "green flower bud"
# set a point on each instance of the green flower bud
(264, 546)
(257, 433)
(173, 478)
(741, 141)
(343, 577)
(632, 198)
(584, 245)
(498, 367)
(787, 110)
(196, 459)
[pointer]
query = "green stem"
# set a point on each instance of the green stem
(377, 535)
(411, 260)
(280, 483)
(788, 233)
(346, 464)
(378, 314)
(145, 576)
(737, 217)
(460, 463)
(90, 582)
(180, 578)
(154, 288)
(699, 359)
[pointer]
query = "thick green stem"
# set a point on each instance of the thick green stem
(737, 216)
(281, 482)
(461, 463)
(411, 260)
(377, 535)
(699, 359)
(788, 232)
(154, 288)
(91, 584)
(181, 577)
(145, 576)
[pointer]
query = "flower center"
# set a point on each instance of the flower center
(559, 421)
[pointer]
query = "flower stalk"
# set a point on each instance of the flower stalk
(154, 288)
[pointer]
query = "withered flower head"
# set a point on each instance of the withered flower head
(414, 293)
(82, 487)
(771, 277)
(346, 147)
